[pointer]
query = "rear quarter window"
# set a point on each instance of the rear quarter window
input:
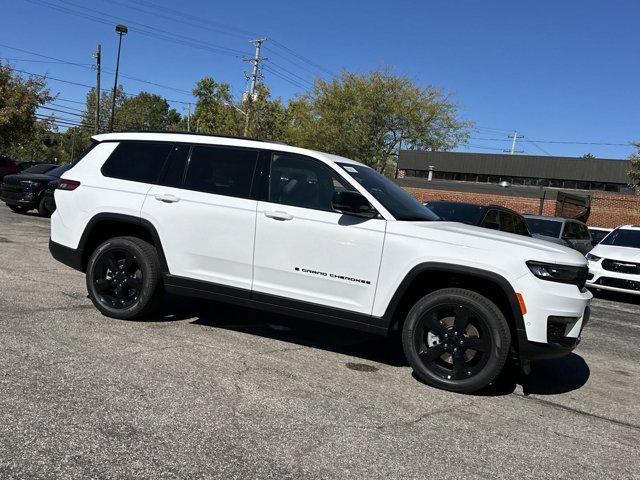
(137, 161)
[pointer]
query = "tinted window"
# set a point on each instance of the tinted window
(303, 182)
(548, 228)
(598, 235)
(222, 171)
(520, 226)
(575, 231)
(402, 205)
(137, 161)
(42, 168)
(623, 238)
(457, 212)
(491, 220)
(174, 169)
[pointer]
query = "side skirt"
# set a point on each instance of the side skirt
(273, 303)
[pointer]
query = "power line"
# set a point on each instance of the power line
(62, 111)
(303, 58)
(290, 73)
(142, 28)
(285, 78)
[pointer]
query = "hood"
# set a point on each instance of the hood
(613, 252)
(15, 179)
(494, 242)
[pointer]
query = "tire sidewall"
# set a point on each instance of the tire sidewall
(148, 283)
(499, 332)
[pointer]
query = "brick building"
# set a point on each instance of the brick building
(592, 189)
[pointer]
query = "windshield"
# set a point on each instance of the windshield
(56, 172)
(548, 228)
(399, 203)
(41, 168)
(457, 212)
(623, 238)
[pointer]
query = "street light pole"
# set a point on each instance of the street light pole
(121, 30)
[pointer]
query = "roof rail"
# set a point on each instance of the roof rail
(197, 134)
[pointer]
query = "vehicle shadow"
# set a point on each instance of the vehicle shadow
(548, 377)
(293, 330)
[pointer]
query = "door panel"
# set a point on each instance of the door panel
(318, 257)
(208, 234)
(306, 251)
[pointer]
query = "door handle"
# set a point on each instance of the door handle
(278, 215)
(166, 198)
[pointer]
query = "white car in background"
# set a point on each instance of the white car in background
(614, 264)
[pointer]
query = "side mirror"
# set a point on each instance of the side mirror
(352, 203)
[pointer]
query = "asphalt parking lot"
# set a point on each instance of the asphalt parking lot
(211, 391)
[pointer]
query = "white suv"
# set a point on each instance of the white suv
(614, 264)
(315, 236)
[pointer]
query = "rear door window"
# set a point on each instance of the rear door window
(221, 171)
(137, 161)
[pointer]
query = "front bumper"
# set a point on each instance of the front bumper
(556, 315)
(602, 279)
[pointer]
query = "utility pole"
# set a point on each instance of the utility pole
(97, 55)
(189, 118)
(513, 144)
(255, 75)
(120, 30)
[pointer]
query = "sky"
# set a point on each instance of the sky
(554, 71)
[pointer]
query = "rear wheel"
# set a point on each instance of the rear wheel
(43, 211)
(456, 339)
(18, 209)
(124, 278)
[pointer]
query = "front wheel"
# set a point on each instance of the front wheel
(456, 339)
(124, 278)
(43, 211)
(18, 209)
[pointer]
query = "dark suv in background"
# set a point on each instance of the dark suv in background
(25, 191)
(563, 231)
(494, 217)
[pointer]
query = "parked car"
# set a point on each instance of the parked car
(49, 201)
(7, 167)
(614, 264)
(563, 231)
(301, 232)
(598, 233)
(22, 166)
(488, 216)
(25, 191)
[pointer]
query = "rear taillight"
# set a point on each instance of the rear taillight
(64, 184)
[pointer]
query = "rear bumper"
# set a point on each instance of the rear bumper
(69, 256)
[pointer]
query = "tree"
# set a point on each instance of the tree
(269, 119)
(588, 155)
(634, 169)
(214, 111)
(146, 111)
(22, 135)
(368, 117)
(89, 119)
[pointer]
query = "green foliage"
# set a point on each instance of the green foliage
(634, 170)
(368, 117)
(145, 111)
(214, 112)
(268, 117)
(21, 135)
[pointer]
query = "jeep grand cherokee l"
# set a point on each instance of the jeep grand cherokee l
(316, 236)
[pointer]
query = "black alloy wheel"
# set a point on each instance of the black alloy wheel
(117, 278)
(456, 339)
(124, 278)
(453, 341)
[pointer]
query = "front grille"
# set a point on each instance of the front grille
(621, 267)
(618, 283)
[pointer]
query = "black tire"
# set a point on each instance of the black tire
(440, 332)
(124, 278)
(18, 209)
(43, 211)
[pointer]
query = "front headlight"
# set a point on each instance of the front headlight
(559, 273)
(592, 257)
